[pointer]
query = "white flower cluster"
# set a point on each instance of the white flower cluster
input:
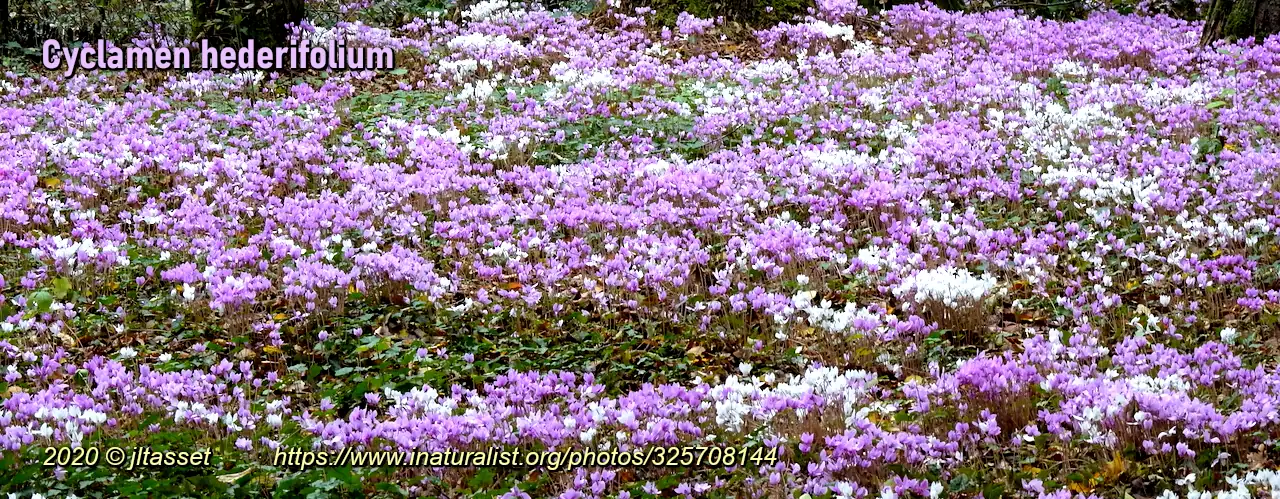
(947, 285)
(74, 253)
(492, 10)
(452, 135)
(841, 31)
(507, 251)
(1052, 131)
(874, 98)
(872, 256)
(770, 70)
(1240, 487)
(1158, 95)
(719, 98)
(71, 419)
(1070, 68)
(425, 400)
(1229, 335)
(656, 168)
(1147, 384)
(478, 91)
(188, 292)
(200, 83)
(320, 35)
(477, 41)
(571, 76)
(823, 315)
(1106, 188)
(480, 45)
(836, 161)
(242, 78)
(1216, 232)
(500, 146)
(193, 411)
(414, 133)
(739, 397)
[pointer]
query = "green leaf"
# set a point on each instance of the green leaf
(400, 71)
(667, 482)
(391, 488)
(343, 475)
(61, 286)
(1216, 104)
(482, 478)
(43, 301)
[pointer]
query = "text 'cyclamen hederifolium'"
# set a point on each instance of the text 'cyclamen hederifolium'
(332, 55)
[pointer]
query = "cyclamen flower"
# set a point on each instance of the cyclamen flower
(1229, 335)
(950, 286)
(838, 10)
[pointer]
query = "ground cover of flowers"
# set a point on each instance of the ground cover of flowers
(931, 255)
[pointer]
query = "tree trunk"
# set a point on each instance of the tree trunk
(4, 21)
(1239, 19)
(204, 17)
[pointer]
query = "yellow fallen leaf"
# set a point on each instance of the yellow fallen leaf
(51, 182)
(279, 317)
(66, 339)
(271, 349)
(1027, 316)
(231, 478)
(1115, 468)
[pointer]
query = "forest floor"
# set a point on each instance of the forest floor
(931, 254)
